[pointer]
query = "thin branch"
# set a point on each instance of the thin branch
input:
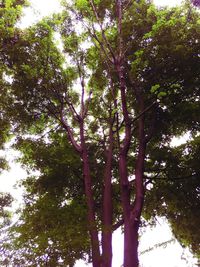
(102, 30)
(143, 112)
(119, 127)
(100, 43)
(106, 104)
(51, 130)
(82, 82)
(174, 178)
(120, 38)
(51, 109)
(127, 5)
(151, 129)
(115, 104)
(87, 107)
(69, 132)
(93, 34)
(149, 181)
(73, 110)
(117, 225)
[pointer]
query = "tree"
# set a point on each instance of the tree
(176, 193)
(9, 12)
(54, 218)
(115, 90)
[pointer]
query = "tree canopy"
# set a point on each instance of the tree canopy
(96, 116)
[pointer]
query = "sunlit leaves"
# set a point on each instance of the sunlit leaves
(82, 4)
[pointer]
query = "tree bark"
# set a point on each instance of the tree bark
(131, 215)
(107, 205)
(132, 225)
(96, 257)
(131, 244)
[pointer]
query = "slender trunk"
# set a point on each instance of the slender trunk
(132, 227)
(130, 237)
(107, 214)
(107, 204)
(125, 199)
(131, 241)
(96, 258)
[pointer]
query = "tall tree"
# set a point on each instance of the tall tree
(124, 71)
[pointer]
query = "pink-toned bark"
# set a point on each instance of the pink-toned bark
(107, 207)
(131, 213)
(96, 258)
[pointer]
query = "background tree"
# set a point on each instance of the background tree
(175, 193)
(10, 12)
(53, 225)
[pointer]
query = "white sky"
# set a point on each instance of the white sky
(46, 7)
(172, 255)
(9, 178)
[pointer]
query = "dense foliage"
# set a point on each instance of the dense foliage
(10, 12)
(104, 105)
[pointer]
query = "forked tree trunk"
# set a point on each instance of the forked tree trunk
(131, 226)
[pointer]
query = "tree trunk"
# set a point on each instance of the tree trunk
(96, 258)
(107, 221)
(91, 214)
(107, 207)
(132, 225)
(131, 244)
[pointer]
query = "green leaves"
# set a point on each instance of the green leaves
(54, 220)
(5, 203)
(154, 88)
(159, 61)
(175, 192)
(82, 4)
(161, 95)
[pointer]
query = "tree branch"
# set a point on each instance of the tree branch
(117, 225)
(102, 30)
(69, 132)
(174, 178)
(143, 112)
